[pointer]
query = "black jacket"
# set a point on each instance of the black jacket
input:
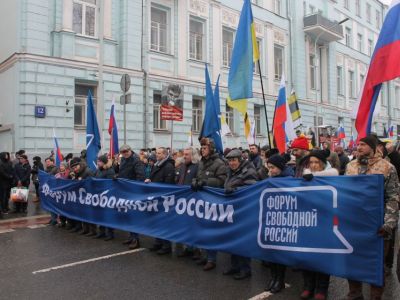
(344, 160)
(106, 173)
(6, 171)
(212, 171)
(84, 172)
(164, 172)
(256, 160)
(52, 170)
(395, 161)
(23, 173)
(131, 168)
(246, 174)
(188, 172)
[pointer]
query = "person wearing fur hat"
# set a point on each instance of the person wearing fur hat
(241, 173)
(369, 161)
(211, 172)
(104, 171)
(277, 168)
(315, 283)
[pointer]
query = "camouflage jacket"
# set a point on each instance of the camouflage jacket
(377, 165)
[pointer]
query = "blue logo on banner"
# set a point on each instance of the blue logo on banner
(40, 111)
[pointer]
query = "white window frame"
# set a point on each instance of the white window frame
(360, 42)
(348, 34)
(378, 19)
(197, 114)
(257, 120)
(230, 118)
(227, 48)
(278, 7)
(397, 95)
(351, 84)
(281, 66)
(158, 124)
(312, 72)
(157, 47)
(368, 12)
(358, 8)
(370, 47)
(194, 55)
(84, 6)
(81, 101)
(346, 4)
(339, 80)
(256, 70)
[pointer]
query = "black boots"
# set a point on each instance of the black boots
(277, 282)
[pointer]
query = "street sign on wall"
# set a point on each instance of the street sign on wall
(40, 111)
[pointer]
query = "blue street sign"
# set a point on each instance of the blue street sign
(40, 111)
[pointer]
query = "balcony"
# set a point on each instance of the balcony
(327, 30)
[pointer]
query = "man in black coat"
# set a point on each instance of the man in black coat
(23, 175)
(163, 172)
(37, 166)
(105, 171)
(130, 168)
(6, 180)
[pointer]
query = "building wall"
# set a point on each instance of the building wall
(9, 32)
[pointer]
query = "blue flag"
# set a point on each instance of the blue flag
(212, 123)
(93, 144)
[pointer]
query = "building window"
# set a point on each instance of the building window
(339, 80)
(312, 9)
(158, 124)
(397, 96)
(362, 76)
(278, 61)
(348, 37)
(370, 42)
(346, 4)
(358, 8)
(80, 107)
(256, 68)
(196, 39)
(378, 19)
(229, 117)
(313, 73)
(278, 7)
(257, 119)
(227, 46)
(368, 12)
(359, 42)
(159, 30)
(351, 84)
(197, 114)
(84, 17)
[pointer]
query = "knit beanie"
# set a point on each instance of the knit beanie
(322, 155)
(300, 143)
(370, 141)
(278, 161)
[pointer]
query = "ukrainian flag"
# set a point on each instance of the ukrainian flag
(244, 55)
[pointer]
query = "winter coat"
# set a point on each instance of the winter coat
(377, 165)
(23, 173)
(188, 172)
(106, 172)
(52, 170)
(395, 161)
(262, 173)
(286, 172)
(6, 171)
(246, 174)
(329, 171)
(35, 170)
(163, 171)
(84, 172)
(344, 160)
(257, 161)
(131, 168)
(212, 171)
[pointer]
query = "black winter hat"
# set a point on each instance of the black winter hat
(278, 161)
(271, 152)
(103, 158)
(371, 141)
(37, 158)
(74, 162)
(322, 155)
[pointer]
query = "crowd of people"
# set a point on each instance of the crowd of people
(231, 170)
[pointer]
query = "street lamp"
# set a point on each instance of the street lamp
(318, 79)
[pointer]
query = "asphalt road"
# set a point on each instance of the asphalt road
(45, 262)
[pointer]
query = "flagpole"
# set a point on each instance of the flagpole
(265, 105)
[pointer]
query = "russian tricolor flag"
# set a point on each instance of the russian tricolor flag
(282, 124)
(391, 131)
(57, 151)
(384, 66)
(341, 133)
(113, 131)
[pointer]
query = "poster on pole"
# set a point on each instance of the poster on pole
(172, 102)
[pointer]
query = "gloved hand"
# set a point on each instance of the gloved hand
(384, 231)
(197, 185)
(308, 177)
(229, 191)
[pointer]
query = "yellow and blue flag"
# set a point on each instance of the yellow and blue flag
(244, 55)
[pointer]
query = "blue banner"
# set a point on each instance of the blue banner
(328, 224)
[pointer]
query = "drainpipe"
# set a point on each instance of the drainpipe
(144, 67)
